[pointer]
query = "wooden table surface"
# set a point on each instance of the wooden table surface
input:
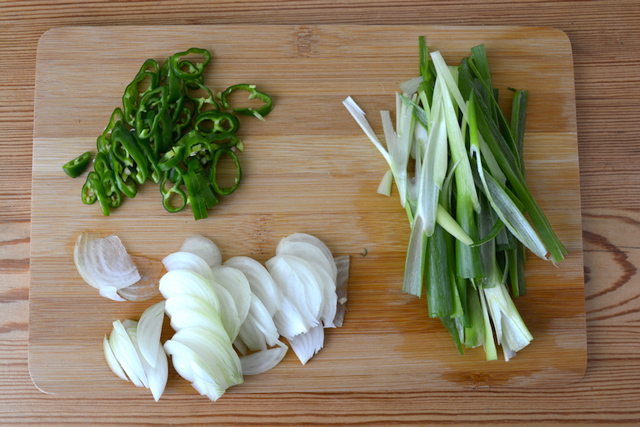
(606, 48)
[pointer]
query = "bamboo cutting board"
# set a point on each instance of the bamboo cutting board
(307, 168)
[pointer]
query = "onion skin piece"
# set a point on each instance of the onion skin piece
(342, 284)
(146, 288)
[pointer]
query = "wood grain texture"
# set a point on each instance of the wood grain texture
(604, 38)
(308, 168)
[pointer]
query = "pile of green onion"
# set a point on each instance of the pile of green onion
(459, 168)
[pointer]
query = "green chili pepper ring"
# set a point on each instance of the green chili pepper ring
(253, 94)
(213, 177)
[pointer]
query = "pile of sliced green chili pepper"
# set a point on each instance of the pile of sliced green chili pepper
(171, 130)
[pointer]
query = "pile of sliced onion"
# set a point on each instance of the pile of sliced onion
(228, 317)
(105, 264)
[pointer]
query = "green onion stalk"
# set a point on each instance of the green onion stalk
(466, 199)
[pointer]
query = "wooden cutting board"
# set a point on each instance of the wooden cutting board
(307, 168)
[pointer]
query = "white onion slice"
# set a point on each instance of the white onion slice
(258, 331)
(156, 376)
(296, 283)
(179, 282)
(289, 321)
(182, 358)
(260, 281)
(309, 252)
(184, 319)
(149, 330)
(264, 360)
(204, 248)
(329, 296)
(188, 261)
(308, 344)
(308, 238)
(236, 283)
(104, 262)
(220, 361)
(112, 361)
(228, 312)
(130, 327)
(206, 385)
(126, 354)
(177, 303)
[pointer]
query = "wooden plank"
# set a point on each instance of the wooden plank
(308, 168)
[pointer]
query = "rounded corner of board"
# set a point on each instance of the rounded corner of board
(559, 34)
(49, 34)
(36, 383)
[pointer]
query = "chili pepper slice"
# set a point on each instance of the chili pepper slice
(149, 66)
(224, 140)
(199, 149)
(213, 172)
(162, 139)
(98, 189)
(153, 172)
(175, 190)
(195, 199)
(132, 97)
(175, 174)
(216, 121)
(88, 193)
(260, 113)
(124, 138)
(199, 101)
(153, 105)
(104, 140)
(199, 192)
(177, 64)
(111, 190)
(181, 119)
(101, 163)
(75, 167)
(125, 182)
(171, 158)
